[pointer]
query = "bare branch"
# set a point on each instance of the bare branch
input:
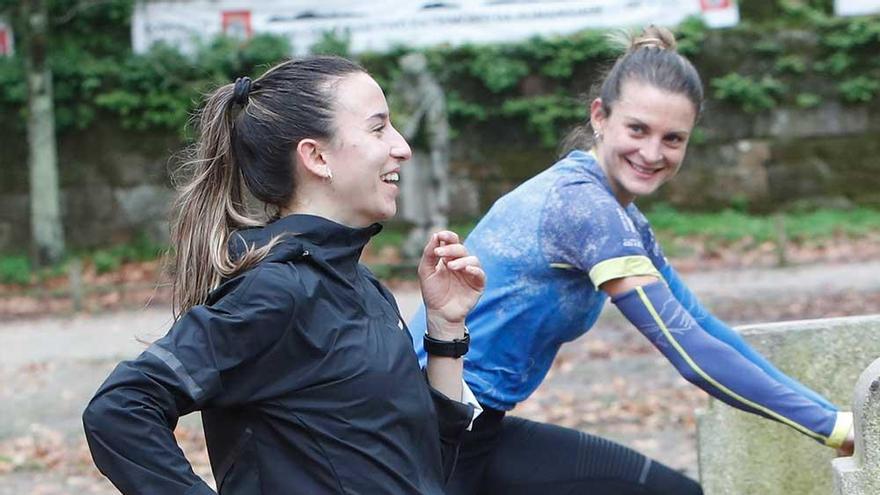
(78, 8)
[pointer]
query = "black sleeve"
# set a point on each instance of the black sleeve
(130, 421)
(453, 419)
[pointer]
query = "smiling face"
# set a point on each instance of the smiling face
(644, 139)
(365, 153)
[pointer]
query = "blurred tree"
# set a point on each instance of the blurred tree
(47, 235)
(32, 22)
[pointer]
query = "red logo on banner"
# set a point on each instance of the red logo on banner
(237, 23)
(5, 49)
(714, 4)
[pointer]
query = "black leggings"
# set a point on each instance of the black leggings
(515, 456)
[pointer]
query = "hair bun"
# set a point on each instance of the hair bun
(653, 36)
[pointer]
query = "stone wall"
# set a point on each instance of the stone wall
(825, 156)
(743, 454)
(116, 183)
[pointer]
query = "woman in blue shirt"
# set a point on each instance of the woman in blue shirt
(560, 245)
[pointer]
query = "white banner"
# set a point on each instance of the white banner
(856, 7)
(378, 25)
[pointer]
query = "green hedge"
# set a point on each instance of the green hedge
(801, 58)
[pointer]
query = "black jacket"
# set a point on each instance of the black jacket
(305, 377)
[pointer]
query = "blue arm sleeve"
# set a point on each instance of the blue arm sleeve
(721, 370)
(724, 333)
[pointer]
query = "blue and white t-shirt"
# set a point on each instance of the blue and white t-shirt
(546, 246)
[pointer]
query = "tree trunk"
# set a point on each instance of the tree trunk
(47, 236)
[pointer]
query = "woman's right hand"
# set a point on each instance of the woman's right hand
(452, 281)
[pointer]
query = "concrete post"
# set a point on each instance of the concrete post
(860, 474)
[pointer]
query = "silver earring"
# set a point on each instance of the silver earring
(597, 136)
(329, 175)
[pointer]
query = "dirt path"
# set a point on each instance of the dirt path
(611, 383)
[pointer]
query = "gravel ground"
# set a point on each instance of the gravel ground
(611, 383)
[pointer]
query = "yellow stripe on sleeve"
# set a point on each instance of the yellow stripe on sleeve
(719, 386)
(625, 266)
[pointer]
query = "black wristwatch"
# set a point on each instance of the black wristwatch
(455, 348)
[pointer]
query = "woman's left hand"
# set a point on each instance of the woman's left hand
(451, 281)
(848, 447)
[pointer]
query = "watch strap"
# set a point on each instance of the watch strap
(455, 348)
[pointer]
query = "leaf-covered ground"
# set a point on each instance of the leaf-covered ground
(611, 383)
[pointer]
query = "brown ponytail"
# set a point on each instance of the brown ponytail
(209, 207)
(246, 136)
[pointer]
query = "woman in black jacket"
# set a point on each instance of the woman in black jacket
(294, 353)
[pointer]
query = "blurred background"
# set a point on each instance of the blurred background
(782, 174)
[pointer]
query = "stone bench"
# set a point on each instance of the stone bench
(743, 454)
(860, 474)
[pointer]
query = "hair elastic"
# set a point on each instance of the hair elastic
(241, 91)
(650, 41)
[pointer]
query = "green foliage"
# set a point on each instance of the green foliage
(13, 89)
(731, 225)
(858, 33)
(101, 29)
(141, 248)
(859, 89)
(106, 261)
(823, 223)
(546, 114)
(498, 71)
(464, 109)
(95, 74)
(226, 58)
(559, 57)
(698, 136)
(395, 234)
(15, 270)
(789, 69)
(808, 100)
(158, 89)
(145, 95)
(728, 225)
(768, 47)
(391, 236)
(800, 12)
(691, 34)
(85, 39)
(837, 63)
(752, 95)
(792, 64)
(530, 86)
(333, 42)
(850, 49)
